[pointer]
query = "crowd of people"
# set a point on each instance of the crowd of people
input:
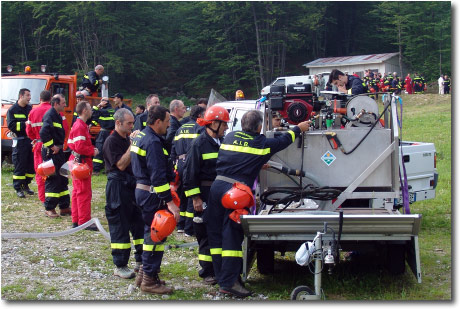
(163, 170)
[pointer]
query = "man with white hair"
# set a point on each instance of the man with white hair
(141, 120)
(92, 81)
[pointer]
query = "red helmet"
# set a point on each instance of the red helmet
(214, 113)
(235, 215)
(239, 196)
(46, 169)
(81, 171)
(372, 90)
(163, 225)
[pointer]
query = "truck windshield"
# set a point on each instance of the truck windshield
(11, 87)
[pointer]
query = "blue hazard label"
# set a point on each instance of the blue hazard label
(328, 158)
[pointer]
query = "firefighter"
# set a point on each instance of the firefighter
(82, 151)
(181, 144)
(417, 81)
(355, 84)
(446, 84)
(121, 210)
(79, 96)
(177, 109)
(102, 114)
(52, 135)
(118, 102)
(240, 158)
(153, 171)
(199, 173)
(141, 120)
(33, 132)
(92, 81)
(22, 155)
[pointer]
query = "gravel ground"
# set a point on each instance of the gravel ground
(79, 266)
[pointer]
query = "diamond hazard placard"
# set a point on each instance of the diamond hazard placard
(328, 158)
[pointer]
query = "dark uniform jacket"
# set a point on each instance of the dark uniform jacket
(356, 85)
(52, 132)
(150, 163)
(200, 164)
(242, 154)
(104, 116)
(173, 126)
(91, 81)
(16, 118)
(123, 105)
(184, 138)
(141, 121)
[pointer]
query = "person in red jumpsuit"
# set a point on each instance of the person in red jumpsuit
(33, 132)
(82, 151)
(408, 83)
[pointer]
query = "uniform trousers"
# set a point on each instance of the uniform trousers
(56, 186)
(98, 161)
(81, 200)
(38, 178)
(186, 210)
(225, 237)
(22, 158)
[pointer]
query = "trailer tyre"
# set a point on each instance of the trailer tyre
(266, 260)
(300, 292)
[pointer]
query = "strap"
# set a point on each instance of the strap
(228, 179)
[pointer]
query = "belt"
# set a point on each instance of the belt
(145, 188)
(206, 183)
(102, 129)
(228, 179)
(77, 155)
(18, 138)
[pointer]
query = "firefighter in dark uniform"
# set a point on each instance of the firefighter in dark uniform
(92, 81)
(79, 96)
(123, 215)
(153, 171)
(22, 156)
(177, 109)
(52, 135)
(339, 79)
(240, 158)
(102, 114)
(181, 144)
(418, 85)
(141, 120)
(446, 84)
(199, 173)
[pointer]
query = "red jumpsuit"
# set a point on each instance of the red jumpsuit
(408, 83)
(33, 132)
(80, 142)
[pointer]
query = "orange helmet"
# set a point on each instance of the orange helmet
(239, 95)
(163, 225)
(81, 171)
(214, 113)
(239, 196)
(46, 169)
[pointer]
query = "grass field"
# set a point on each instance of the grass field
(84, 258)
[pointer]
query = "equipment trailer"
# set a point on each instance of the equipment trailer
(361, 162)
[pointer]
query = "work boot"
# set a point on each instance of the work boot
(139, 276)
(124, 272)
(20, 194)
(152, 285)
(65, 211)
(51, 213)
(27, 190)
(210, 280)
(92, 227)
(237, 290)
(74, 225)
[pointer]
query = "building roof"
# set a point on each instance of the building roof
(349, 60)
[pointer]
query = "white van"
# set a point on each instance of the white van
(289, 80)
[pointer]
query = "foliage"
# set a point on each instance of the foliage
(189, 47)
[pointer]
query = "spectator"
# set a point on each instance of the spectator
(203, 102)
(441, 84)
(17, 117)
(118, 103)
(339, 79)
(79, 96)
(123, 215)
(408, 83)
(276, 120)
(82, 152)
(177, 109)
(139, 110)
(92, 81)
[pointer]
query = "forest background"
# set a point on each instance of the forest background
(187, 48)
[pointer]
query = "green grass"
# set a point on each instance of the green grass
(427, 118)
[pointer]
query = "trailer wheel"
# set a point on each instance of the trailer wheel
(266, 260)
(300, 292)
